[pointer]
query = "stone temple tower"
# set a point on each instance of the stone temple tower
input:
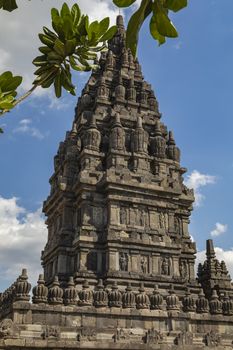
(118, 208)
(119, 260)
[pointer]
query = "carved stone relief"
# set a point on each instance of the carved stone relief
(123, 261)
(165, 266)
(184, 270)
(123, 216)
(51, 332)
(144, 264)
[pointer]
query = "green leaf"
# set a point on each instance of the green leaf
(8, 5)
(103, 26)
(75, 13)
(135, 24)
(9, 83)
(40, 60)
(154, 31)
(12, 84)
(57, 85)
(49, 33)
(70, 46)
(109, 34)
(164, 25)
(59, 47)
(175, 5)
(65, 10)
(46, 40)
(123, 3)
(1, 131)
(45, 49)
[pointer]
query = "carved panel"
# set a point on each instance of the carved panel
(144, 264)
(165, 266)
(123, 261)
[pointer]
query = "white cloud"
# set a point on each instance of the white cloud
(19, 39)
(23, 235)
(25, 127)
(219, 229)
(196, 180)
(221, 254)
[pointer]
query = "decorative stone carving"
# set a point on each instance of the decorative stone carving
(131, 60)
(153, 337)
(165, 266)
(123, 261)
(40, 292)
(131, 92)
(123, 215)
(100, 295)
(212, 339)
(70, 293)
(7, 329)
(55, 295)
(128, 297)
(189, 302)
(51, 332)
(143, 94)
(172, 300)
(215, 304)
(183, 267)
(22, 287)
(115, 296)
(119, 335)
(86, 334)
(173, 152)
(159, 142)
(92, 137)
(103, 91)
(184, 338)
(202, 303)
(117, 135)
(124, 58)
(85, 295)
(142, 299)
(227, 305)
(140, 138)
(110, 62)
(120, 90)
(156, 299)
(144, 264)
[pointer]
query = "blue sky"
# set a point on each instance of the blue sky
(192, 77)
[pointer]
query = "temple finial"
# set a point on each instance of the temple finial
(210, 253)
(120, 21)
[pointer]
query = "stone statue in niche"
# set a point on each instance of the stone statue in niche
(184, 269)
(143, 218)
(162, 222)
(178, 225)
(165, 266)
(144, 264)
(123, 215)
(123, 261)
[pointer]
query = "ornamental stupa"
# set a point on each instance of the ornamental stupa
(119, 260)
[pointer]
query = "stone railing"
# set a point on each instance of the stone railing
(114, 297)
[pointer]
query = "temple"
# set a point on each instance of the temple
(119, 263)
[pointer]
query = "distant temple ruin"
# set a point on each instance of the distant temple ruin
(119, 260)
